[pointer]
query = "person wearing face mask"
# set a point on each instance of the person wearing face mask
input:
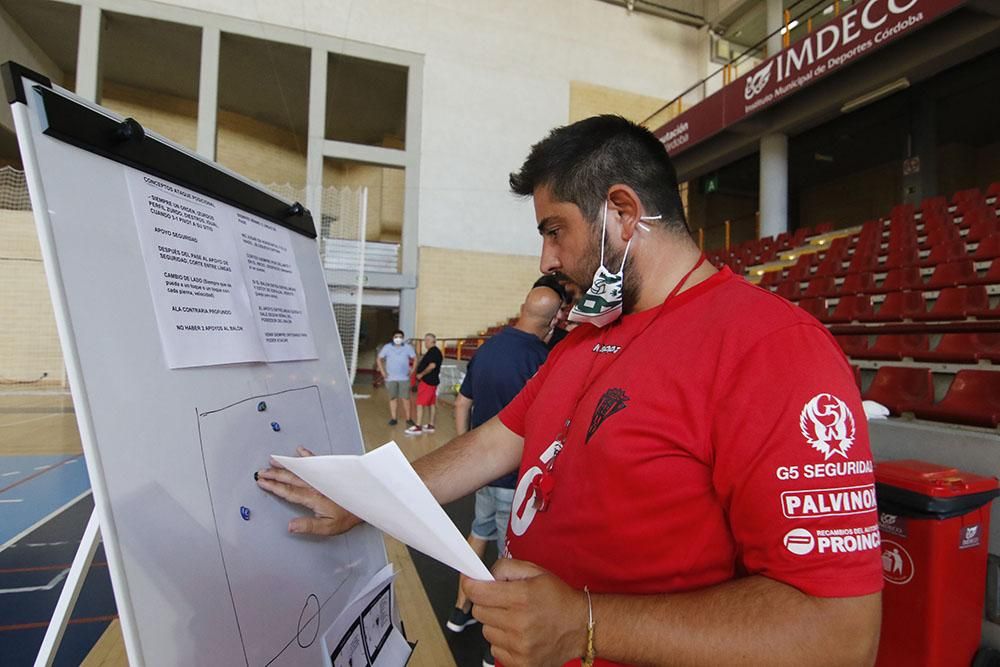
(683, 454)
(394, 361)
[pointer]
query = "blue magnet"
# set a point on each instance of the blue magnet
(275, 426)
(245, 513)
(261, 406)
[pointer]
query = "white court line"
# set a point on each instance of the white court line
(44, 520)
(8, 474)
(31, 589)
(45, 467)
(29, 421)
(12, 500)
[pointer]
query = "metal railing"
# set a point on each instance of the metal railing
(796, 25)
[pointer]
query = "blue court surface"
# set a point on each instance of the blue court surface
(44, 506)
(33, 487)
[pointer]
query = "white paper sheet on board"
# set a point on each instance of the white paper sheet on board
(225, 284)
(275, 287)
(367, 631)
(382, 488)
(195, 276)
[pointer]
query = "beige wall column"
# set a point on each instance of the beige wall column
(88, 55)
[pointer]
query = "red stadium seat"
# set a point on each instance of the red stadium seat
(962, 272)
(939, 234)
(901, 213)
(851, 307)
(992, 275)
(965, 348)
(815, 307)
(989, 248)
(830, 266)
(900, 256)
(823, 228)
(957, 303)
(790, 290)
(770, 279)
(858, 283)
(906, 278)
(973, 398)
(900, 306)
(819, 286)
(863, 261)
(982, 227)
(896, 346)
(934, 205)
(902, 389)
(965, 197)
(987, 346)
(839, 246)
(993, 190)
(946, 252)
(853, 345)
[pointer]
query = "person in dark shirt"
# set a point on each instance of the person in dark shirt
(428, 375)
(494, 376)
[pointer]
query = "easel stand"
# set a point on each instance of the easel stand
(70, 592)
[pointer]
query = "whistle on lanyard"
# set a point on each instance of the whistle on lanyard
(545, 483)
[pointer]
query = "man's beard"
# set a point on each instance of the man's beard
(612, 261)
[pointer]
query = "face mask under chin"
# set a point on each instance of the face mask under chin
(602, 303)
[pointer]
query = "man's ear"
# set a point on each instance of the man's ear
(625, 202)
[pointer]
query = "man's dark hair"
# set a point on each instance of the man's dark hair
(580, 163)
(400, 332)
(552, 282)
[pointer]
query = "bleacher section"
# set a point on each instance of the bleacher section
(912, 299)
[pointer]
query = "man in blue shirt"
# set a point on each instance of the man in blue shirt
(394, 361)
(495, 375)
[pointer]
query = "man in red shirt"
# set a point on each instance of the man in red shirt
(695, 480)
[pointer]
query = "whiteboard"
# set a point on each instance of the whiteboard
(203, 568)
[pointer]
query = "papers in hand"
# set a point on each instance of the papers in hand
(382, 489)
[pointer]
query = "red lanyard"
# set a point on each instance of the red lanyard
(544, 484)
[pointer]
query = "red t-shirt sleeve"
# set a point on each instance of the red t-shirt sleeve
(792, 465)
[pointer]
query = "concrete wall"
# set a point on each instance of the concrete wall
(463, 292)
(497, 77)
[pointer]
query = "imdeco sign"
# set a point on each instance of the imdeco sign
(848, 38)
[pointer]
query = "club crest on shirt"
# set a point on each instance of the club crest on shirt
(612, 401)
(827, 425)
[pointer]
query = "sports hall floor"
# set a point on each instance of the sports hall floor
(45, 503)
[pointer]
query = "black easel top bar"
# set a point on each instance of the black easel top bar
(125, 142)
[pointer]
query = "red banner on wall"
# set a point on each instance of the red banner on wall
(853, 35)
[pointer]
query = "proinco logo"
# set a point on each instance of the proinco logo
(758, 82)
(897, 566)
(835, 541)
(827, 425)
(799, 541)
(607, 349)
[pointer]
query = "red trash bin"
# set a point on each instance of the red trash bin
(935, 524)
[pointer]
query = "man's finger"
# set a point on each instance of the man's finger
(302, 451)
(293, 494)
(282, 475)
(503, 594)
(497, 618)
(508, 569)
(306, 525)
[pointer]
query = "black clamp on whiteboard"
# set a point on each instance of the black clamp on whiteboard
(129, 130)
